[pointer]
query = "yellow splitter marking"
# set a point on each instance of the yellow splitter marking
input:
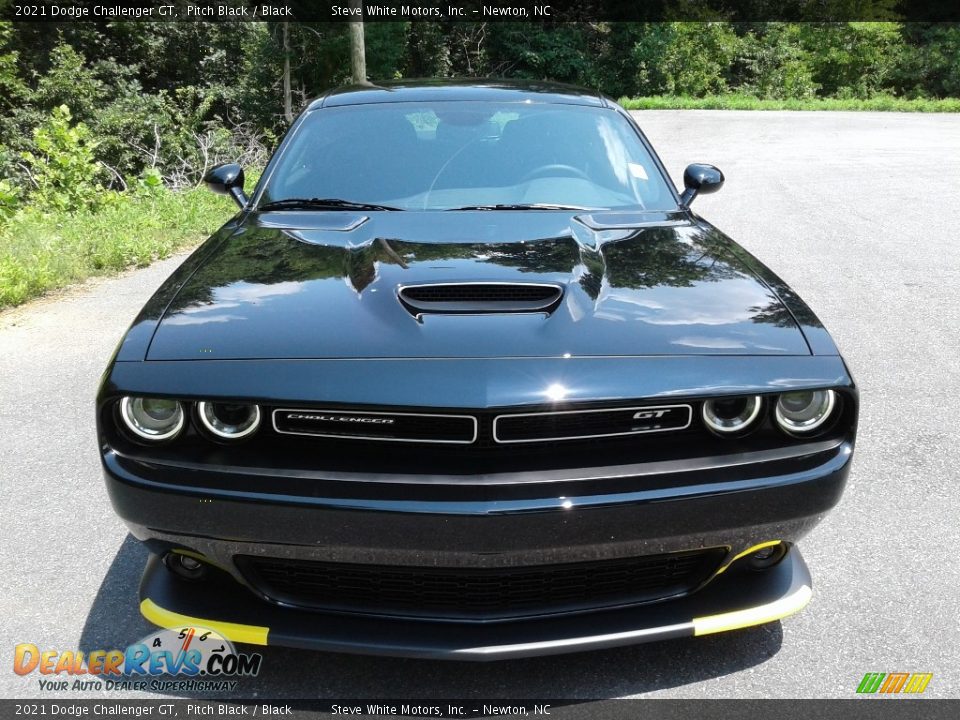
(753, 616)
(235, 632)
(706, 625)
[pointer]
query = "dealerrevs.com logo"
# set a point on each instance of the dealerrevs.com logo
(188, 658)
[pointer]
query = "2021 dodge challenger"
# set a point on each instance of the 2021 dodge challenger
(465, 377)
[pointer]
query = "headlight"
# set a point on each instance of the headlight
(731, 416)
(154, 419)
(805, 411)
(230, 421)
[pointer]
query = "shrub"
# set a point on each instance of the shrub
(9, 197)
(64, 169)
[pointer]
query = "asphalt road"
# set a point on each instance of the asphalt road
(856, 211)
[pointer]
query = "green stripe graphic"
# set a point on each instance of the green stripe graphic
(871, 682)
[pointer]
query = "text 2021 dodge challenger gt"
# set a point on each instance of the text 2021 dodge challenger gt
(466, 378)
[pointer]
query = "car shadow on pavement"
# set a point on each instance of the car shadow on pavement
(114, 621)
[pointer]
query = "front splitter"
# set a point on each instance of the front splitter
(731, 601)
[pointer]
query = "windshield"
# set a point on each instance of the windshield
(450, 155)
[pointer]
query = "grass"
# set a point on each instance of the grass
(43, 251)
(881, 103)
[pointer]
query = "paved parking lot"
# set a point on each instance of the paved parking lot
(856, 211)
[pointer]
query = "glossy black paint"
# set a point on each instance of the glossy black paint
(227, 179)
(325, 286)
(460, 89)
(700, 179)
(301, 309)
(475, 383)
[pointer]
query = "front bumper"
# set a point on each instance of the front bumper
(585, 514)
(734, 600)
(629, 511)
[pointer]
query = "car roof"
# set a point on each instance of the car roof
(534, 91)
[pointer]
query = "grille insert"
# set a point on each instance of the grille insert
(480, 297)
(584, 424)
(479, 593)
(385, 426)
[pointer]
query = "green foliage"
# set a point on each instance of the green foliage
(42, 251)
(385, 49)
(63, 165)
(181, 131)
(150, 182)
(90, 109)
(615, 68)
(13, 90)
(853, 59)
(931, 62)
(9, 199)
(773, 63)
(734, 101)
(685, 58)
(556, 52)
(427, 53)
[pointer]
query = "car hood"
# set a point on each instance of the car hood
(325, 285)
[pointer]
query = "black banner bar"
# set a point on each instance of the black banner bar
(539, 11)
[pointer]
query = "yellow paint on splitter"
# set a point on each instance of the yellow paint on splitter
(758, 615)
(706, 625)
(235, 632)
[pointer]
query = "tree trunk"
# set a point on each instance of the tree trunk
(358, 53)
(287, 92)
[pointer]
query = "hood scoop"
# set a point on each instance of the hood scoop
(480, 298)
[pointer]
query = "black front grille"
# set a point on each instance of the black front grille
(480, 297)
(385, 426)
(479, 593)
(580, 424)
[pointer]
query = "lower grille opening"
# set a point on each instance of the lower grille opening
(479, 593)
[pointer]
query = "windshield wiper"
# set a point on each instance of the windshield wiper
(322, 204)
(522, 206)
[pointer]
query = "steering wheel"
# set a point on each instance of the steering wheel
(555, 169)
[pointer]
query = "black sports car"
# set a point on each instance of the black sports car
(466, 378)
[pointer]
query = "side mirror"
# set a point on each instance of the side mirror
(227, 179)
(700, 178)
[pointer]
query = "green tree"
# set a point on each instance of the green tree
(681, 58)
(853, 59)
(772, 63)
(13, 90)
(426, 53)
(541, 52)
(931, 60)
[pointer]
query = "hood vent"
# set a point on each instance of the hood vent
(480, 297)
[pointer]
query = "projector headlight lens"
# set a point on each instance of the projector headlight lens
(152, 419)
(799, 413)
(731, 416)
(230, 421)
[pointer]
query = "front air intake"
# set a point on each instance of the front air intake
(480, 297)
(476, 593)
